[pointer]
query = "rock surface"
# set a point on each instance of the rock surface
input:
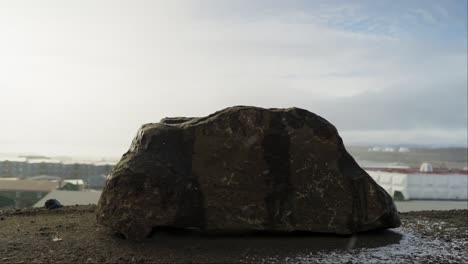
(52, 204)
(242, 168)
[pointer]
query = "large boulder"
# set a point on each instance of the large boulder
(242, 168)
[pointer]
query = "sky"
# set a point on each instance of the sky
(80, 77)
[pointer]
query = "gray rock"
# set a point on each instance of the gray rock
(243, 168)
(52, 204)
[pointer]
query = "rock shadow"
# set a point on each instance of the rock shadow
(264, 243)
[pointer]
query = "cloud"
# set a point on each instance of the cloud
(89, 74)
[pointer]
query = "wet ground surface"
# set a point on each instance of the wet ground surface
(70, 234)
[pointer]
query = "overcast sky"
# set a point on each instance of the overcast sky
(80, 77)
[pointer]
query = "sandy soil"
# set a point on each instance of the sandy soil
(70, 234)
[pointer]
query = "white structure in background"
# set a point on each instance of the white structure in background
(74, 182)
(426, 184)
(403, 150)
(375, 149)
(378, 165)
(426, 167)
(389, 149)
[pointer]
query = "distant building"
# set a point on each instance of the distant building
(426, 167)
(72, 185)
(25, 167)
(403, 150)
(375, 149)
(12, 167)
(23, 193)
(384, 149)
(384, 165)
(425, 183)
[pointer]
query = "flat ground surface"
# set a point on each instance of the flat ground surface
(71, 234)
(427, 205)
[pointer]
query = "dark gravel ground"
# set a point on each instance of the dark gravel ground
(71, 235)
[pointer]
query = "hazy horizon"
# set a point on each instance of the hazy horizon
(80, 77)
(99, 154)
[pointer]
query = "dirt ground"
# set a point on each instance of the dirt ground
(71, 235)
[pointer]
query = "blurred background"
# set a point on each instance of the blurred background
(78, 78)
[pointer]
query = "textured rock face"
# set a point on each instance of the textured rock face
(242, 168)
